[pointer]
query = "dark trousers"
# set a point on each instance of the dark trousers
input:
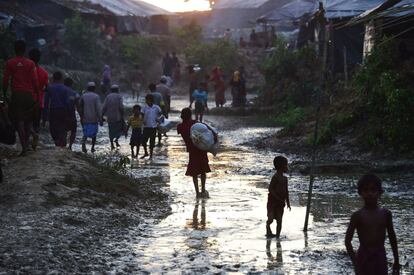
(58, 125)
(149, 134)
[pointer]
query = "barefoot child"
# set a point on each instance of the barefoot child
(371, 222)
(152, 114)
(198, 160)
(200, 98)
(278, 195)
(135, 122)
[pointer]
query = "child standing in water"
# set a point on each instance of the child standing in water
(371, 222)
(152, 114)
(200, 97)
(278, 196)
(135, 122)
(198, 160)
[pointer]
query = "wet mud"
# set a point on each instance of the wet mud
(226, 232)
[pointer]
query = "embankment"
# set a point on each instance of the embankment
(62, 212)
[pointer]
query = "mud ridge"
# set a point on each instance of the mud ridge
(63, 213)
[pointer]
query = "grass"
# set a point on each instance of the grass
(330, 128)
(288, 120)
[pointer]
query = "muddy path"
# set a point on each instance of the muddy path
(225, 233)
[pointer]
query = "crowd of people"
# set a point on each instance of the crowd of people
(29, 101)
(198, 89)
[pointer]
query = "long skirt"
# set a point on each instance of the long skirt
(198, 163)
(58, 126)
(220, 95)
(116, 129)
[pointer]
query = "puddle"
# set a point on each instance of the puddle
(226, 232)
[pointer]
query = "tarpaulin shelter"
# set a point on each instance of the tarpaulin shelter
(240, 4)
(239, 14)
(346, 44)
(295, 9)
(124, 16)
(393, 19)
(24, 19)
(136, 16)
(130, 15)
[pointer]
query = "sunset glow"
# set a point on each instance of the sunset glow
(181, 5)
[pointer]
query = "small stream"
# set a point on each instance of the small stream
(226, 233)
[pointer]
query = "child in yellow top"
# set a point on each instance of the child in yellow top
(135, 122)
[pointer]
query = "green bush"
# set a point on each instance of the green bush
(288, 120)
(139, 50)
(220, 52)
(291, 76)
(81, 37)
(387, 99)
(329, 129)
(189, 34)
(291, 118)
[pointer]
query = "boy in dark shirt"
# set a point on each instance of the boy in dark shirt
(278, 196)
(371, 222)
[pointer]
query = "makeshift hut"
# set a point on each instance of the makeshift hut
(238, 16)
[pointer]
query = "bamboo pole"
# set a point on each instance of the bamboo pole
(345, 67)
(316, 129)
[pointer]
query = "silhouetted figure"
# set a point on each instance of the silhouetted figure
(372, 223)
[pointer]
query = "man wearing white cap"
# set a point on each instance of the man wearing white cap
(90, 113)
(113, 109)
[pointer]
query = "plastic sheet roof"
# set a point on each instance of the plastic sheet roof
(126, 7)
(402, 8)
(349, 8)
(292, 11)
(333, 9)
(239, 4)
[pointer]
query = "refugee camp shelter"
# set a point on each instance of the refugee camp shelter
(136, 16)
(346, 42)
(392, 19)
(239, 15)
(44, 19)
(28, 21)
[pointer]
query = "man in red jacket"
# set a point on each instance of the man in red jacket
(43, 81)
(21, 72)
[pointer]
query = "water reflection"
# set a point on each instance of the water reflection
(231, 240)
(198, 223)
(305, 238)
(274, 262)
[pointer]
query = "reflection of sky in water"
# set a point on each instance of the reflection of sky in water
(226, 232)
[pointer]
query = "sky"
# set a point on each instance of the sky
(180, 5)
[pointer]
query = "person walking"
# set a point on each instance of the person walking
(113, 109)
(198, 159)
(167, 65)
(57, 109)
(219, 86)
(176, 68)
(90, 113)
(20, 73)
(152, 114)
(43, 81)
(193, 81)
(158, 101)
(106, 79)
(165, 92)
(236, 87)
(74, 98)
